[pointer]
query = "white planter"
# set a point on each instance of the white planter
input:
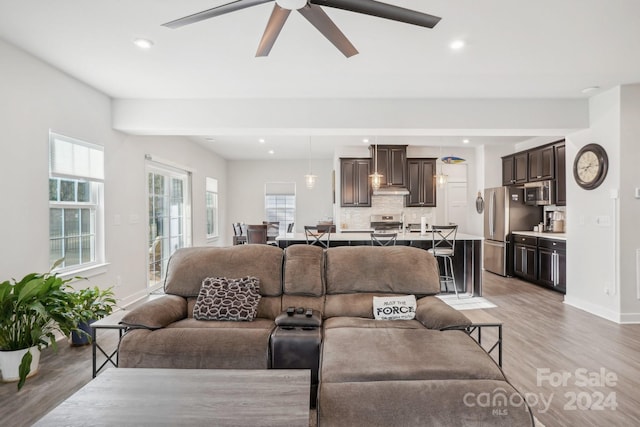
(10, 363)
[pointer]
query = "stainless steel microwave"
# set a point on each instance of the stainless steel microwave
(539, 193)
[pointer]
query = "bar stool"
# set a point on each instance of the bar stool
(314, 234)
(383, 239)
(443, 245)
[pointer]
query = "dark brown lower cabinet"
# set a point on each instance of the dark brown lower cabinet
(541, 260)
(525, 261)
(552, 264)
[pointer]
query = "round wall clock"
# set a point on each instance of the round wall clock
(590, 166)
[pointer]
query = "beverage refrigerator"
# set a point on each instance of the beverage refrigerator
(505, 211)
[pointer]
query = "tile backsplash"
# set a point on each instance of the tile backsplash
(359, 218)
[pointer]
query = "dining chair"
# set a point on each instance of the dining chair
(443, 245)
(384, 239)
(314, 235)
(257, 233)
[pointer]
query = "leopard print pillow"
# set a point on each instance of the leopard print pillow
(221, 298)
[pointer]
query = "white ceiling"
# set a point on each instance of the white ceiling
(515, 49)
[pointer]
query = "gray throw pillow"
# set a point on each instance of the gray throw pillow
(221, 298)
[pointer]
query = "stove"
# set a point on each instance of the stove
(386, 223)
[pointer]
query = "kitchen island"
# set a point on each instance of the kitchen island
(467, 259)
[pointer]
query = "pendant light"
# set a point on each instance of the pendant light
(310, 178)
(376, 178)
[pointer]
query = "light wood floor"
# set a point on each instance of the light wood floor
(540, 332)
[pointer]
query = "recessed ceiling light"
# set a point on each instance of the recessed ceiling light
(143, 43)
(457, 44)
(210, 139)
(465, 141)
(261, 141)
(365, 141)
(590, 89)
(271, 152)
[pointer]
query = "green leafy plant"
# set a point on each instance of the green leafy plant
(32, 311)
(92, 304)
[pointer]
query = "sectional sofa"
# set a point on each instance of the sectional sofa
(372, 372)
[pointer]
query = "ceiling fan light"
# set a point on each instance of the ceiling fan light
(291, 4)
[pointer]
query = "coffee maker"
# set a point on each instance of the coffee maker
(554, 220)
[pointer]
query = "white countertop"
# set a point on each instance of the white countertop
(547, 235)
(344, 237)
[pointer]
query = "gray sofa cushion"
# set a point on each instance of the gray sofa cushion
(188, 267)
(390, 354)
(358, 322)
(389, 269)
(421, 403)
(198, 344)
(304, 270)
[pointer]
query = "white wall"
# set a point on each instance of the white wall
(592, 265)
(246, 180)
(36, 98)
(629, 219)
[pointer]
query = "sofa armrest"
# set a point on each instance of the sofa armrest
(157, 313)
(435, 314)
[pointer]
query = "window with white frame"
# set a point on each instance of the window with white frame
(280, 203)
(169, 204)
(76, 224)
(211, 206)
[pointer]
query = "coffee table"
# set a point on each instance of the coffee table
(193, 397)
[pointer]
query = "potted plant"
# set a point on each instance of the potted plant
(32, 311)
(90, 304)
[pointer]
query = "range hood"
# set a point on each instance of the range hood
(391, 191)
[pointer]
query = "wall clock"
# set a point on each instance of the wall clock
(590, 166)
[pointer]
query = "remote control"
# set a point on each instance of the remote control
(309, 312)
(290, 311)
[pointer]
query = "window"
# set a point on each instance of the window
(76, 175)
(169, 216)
(280, 203)
(211, 206)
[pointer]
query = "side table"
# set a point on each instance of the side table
(109, 322)
(480, 320)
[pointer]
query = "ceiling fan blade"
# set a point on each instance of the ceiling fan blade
(216, 11)
(382, 10)
(325, 25)
(274, 26)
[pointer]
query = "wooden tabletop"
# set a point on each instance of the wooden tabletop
(194, 397)
(481, 317)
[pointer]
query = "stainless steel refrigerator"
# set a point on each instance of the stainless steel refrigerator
(505, 211)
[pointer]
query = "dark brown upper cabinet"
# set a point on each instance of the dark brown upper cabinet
(355, 188)
(561, 175)
(392, 162)
(421, 182)
(515, 168)
(541, 164)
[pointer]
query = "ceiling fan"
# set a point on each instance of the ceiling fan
(312, 11)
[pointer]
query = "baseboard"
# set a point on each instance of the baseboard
(630, 318)
(591, 308)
